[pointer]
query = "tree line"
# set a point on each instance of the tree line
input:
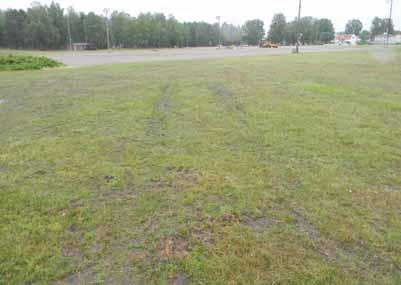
(318, 31)
(311, 30)
(50, 27)
(379, 26)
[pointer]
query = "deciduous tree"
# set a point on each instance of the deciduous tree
(354, 27)
(379, 26)
(253, 31)
(277, 29)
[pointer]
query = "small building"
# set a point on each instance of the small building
(83, 46)
(382, 39)
(346, 39)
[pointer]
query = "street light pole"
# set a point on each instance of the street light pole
(219, 19)
(298, 22)
(69, 30)
(106, 11)
(389, 22)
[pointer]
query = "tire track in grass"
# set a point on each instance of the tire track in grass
(232, 104)
(154, 186)
(118, 253)
(160, 113)
(333, 251)
(354, 259)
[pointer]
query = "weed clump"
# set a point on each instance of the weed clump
(21, 62)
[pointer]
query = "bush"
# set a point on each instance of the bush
(326, 37)
(19, 62)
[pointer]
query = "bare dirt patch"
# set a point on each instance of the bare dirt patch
(175, 179)
(173, 248)
(74, 253)
(180, 279)
(204, 236)
(186, 175)
(391, 188)
(85, 276)
(259, 225)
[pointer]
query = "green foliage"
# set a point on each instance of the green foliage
(364, 36)
(253, 31)
(312, 31)
(231, 34)
(324, 30)
(122, 29)
(354, 27)
(277, 29)
(14, 28)
(291, 32)
(2, 28)
(95, 30)
(326, 37)
(380, 26)
(46, 27)
(20, 62)
(78, 26)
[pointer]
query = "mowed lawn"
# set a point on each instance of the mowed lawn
(260, 170)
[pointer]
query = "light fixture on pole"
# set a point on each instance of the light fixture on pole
(298, 22)
(106, 11)
(389, 22)
(69, 30)
(218, 18)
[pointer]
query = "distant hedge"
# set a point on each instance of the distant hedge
(22, 62)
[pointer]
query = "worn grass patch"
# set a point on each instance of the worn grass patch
(262, 170)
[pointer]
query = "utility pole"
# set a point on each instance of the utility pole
(106, 11)
(298, 22)
(69, 30)
(219, 19)
(389, 22)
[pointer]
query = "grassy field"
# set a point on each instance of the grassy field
(261, 170)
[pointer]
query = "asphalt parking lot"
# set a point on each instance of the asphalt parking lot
(87, 58)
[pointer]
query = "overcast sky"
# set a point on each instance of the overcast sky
(237, 12)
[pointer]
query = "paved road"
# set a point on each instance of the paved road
(86, 58)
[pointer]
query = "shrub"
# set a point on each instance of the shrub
(20, 62)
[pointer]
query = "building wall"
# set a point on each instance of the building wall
(382, 39)
(346, 39)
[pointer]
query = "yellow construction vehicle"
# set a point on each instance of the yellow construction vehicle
(268, 44)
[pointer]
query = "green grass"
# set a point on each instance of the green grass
(25, 62)
(261, 170)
